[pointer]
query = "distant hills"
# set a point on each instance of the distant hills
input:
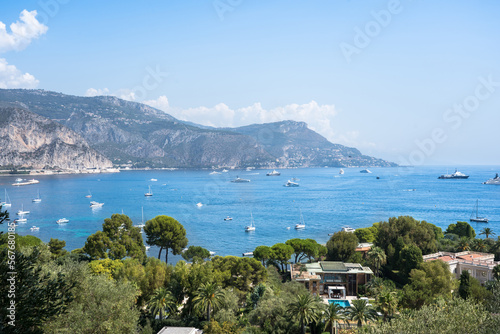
(136, 135)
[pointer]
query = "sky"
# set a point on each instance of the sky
(414, 82)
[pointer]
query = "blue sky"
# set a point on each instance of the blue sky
(396, 93)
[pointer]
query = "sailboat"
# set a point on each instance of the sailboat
(21, 219)
(37, 199)
(251, 227)
(149, 193)
(7, 202)
(22, 212)
(341, 171)
(301, 225)
(477, 219)
(141, 225)
(89, 195)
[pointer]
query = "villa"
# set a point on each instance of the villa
(479, 265)
(331, 279)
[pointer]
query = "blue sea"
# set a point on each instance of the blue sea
(328, 201)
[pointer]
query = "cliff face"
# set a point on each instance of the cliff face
(30, 140)
(135, 134)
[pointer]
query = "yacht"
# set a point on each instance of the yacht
(248, 254)
(18, 180)
(348, 229)
(154, 180)
(214, 173)
(495, 180)
(240, 180)
(228, 218)
(301, 225)
(95, 204)
(22, 212)
(273, 173)
(341, 171)
(149, 193)
(250, 227)
(291, 184)
(199, 204)
(6, 203)
(212, 253)
(476, 218)
(456, 175)
(21, 219)
(62, 221)
(25, 183)
(34, 228)
(37, 199)
(225, 170)
(89, 195)
(366, 171)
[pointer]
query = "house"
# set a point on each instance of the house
(479, 265)
(331, 279)
(180, 330)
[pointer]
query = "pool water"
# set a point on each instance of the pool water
(341, 302)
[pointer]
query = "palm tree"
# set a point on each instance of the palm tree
(208, 296)
(478, 245)
(307, 308)
(361, 311)
(463, 244)
(161, 301)
(377, 257)
(333, 313)
(387, 303)
(487, 232)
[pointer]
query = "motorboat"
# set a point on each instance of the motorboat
(474, 217)
(366, 171)
(25, 183)
(250, 227)
(291, 184)
(228, 218)
(199, 204)
(248, 254)
(62, 221)
(214, 173)
(95, 204)
(225, 170)
(34, 228)
(18, 180)
(341, 171)
(6, 203)
(212, 253)
(240, 180)
(495, 180)
(273, 173)
(348, 229)
(149, 193)
(301, 225)
(154, 180)
(456, 175)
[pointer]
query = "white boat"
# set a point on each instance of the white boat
(301, 225)
(341, 171)
(37, 199)
(89, 195)
(348, 229)
(366, 171)
(240, 180)
(22, 212)
(214, 173)
(147, 248)
(199, 204)
(62, 221)
(212, 253)
(6, 203)
(225, 170)
(95, 204)
(291, 184)
(248, 254)
(456, 175)
(21, 219)
(154, 180)
(149, 193)
(18, 180)
(228, 218)
(273, 173)
(250, 227)
(32, 181)
(495, 180)
(34, 228)
(141, 225)
(476, 218)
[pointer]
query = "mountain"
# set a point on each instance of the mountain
(134, 134)
(30, 140)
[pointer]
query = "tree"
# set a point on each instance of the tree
(305, 248)
(496, 272)
(4, 215)
(281, 253)
(462, 229)
(387, 303)
(97, 245)
(195, 254)
(306, 308)
(208, 296)
(237, 272)
(166, 233)
(162, 301)
(262, 253)
(478, 245)
(366, 234)
(487, 232)
(56, 247)
(464, 244)
(410, 257)
(333, 313)
(341, 246)
(376, 256)
(360, 311)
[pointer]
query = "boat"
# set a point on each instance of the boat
(62, 221)
(250, 227)
(34, 228)
(348, 229)
(6, 203)
(456, 175)
(37, 199)
(154, 180)
(212, 253)
(341, 171)
(95, 204)
(495, 180)
(149, 193)
(21, 219)
(248, 254)
(228, 218)
(18, 180)
(141, 225)
(378, 177)
(147, 248)
(273, 173)
(476, 218)
(225, 170)
(291, 184)
(199, 204)
(366, 171)
(22, 212)
(89, 195)
(32, 181)
(301, 225)
(240, 180)
(214, 173)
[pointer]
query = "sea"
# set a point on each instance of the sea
(325, 199)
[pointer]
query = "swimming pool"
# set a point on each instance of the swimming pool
(341, 302)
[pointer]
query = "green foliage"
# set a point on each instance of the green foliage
(376, 258)
(410, 258)
(240, 273)
(207, 298)
(360, 311)
(341, 246)
(56, 247)
(21, 241)
(166, 233)
(305, 249)
(334, 312)
(281, 254)
(262, 253)
(306, 308)
(366, 234)
(487, 232)
(462, 229)
(4, 215)
(106, 267)
(195, 254)
(162, 302)
(214, 327)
